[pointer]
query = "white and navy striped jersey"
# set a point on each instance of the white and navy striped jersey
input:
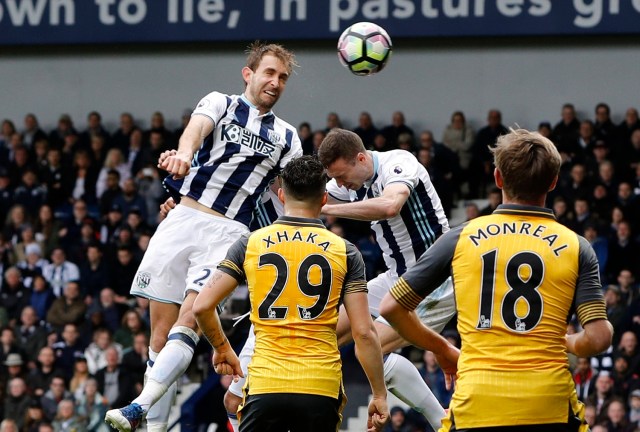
(405, 237)
(268, 209)
(239, 158)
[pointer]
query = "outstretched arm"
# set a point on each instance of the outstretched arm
(369, 354)
(385, 206)
(179, 163)
(225, 361)
(594, 338)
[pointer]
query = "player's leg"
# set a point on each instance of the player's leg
(171, 363)
(233, 396)
(163, 316)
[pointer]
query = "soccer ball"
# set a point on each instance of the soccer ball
(364, 48)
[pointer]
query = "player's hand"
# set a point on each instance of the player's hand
(448, 361)
(378, 414)
(178, 164)
(166, 207)
(226, 362)
(164, 155)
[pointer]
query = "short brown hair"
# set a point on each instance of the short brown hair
(340, 144)
(528, 162)
(258, 49)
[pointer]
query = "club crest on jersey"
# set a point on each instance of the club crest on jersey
(274, 136)
(238, 135)
(143, 279)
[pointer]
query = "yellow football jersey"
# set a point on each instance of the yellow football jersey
(297, 272)
(518, 276)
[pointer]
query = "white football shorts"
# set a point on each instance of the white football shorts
(185, 250)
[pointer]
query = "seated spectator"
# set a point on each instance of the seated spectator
(67, 420)
(397, 421)
(94, 274)
(29, 333)
(111, 308)
(47, 229)
(64, 128)
(495, 199)
(35, 416)
(582, 215)
(123, 271)
(94, 129)
(366, 130)
(616, 417)
(600, 246)
(92, 406)
(30, 193)
(8, 425)
(628, 286)
(624, 252)
(59, 272)
(14, 296)
(71, 231)
(56, 393)
(114, 383)
(584, 377)
(80, 377)
(130, 198)
(40, 377)
(434, 377)
(55, 177)
(114, 161)
(42, 296)
(398, 126)
(602, 395)
(615, 309)
(27, 238)
(135, 360)
(130, 325)
(634, 407)
(566, 131)
(95, 352)
(69, 349)
(17, 402)
(33, 264)
(8, 346)
(69, 308)
(82, 185)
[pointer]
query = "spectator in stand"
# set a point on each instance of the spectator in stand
(121, 137)
(150, 188)
(599, 244)
(27, 238)
(30, 193)
(39, 155)
(577, 185)
(333, 121)
(628, 347)
(59, 272)
(634, 407)
(627, 285)
(41, 375)
(130, 198)
(7, 129)
(32, 265)
(111, 191)
(306, 137)
(15, 368)
(135, 360)
(607, 177)
(624, 252)
(459, 137)
(629, 203)
(566, 131)
(584, 377)
(601, 203)
(42, 296)
(397, 421)
(14, 296)
(481, 164)
(582, 215)
(434, 377)
(158, 125)
(32, 131)
(17, 402)
(615, 309)
(83, 184)
(35, 416)
(405, 142)
(495, 199)
(366, 130)
(91, 406)
(6, 194)
(64, 128)
(630, 124)
(19, 164)
(71, 231)
(603, 126)
(318, 137)
(616, 417)
(68, 349)
(47, 229)
(471, 211)
(111, 306)
(123, 272)
(603, 394)
(16, 220)
(66, 419)
(113, 161)
(95, 352)
(54, 177)
(8, 346)
(80, 377)
(131, 324)
(97, 150)
(29, 333)
(392, 132)
(114, 382)
(94, 272)
(94, 129)
(68, 308)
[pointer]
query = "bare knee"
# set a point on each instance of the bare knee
(231, 402)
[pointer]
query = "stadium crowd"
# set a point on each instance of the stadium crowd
(77, 210)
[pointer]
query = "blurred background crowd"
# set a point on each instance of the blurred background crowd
(79, 204)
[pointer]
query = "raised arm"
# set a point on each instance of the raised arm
(179, 163)
(383, 207)
(594, 338)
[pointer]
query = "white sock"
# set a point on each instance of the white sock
(406, 383)
(172, 363)
(233, 421)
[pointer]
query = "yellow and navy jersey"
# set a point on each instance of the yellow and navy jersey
(297, 272)
(518, 276)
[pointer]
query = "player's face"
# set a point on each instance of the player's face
(266, 83)
(350, 174)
